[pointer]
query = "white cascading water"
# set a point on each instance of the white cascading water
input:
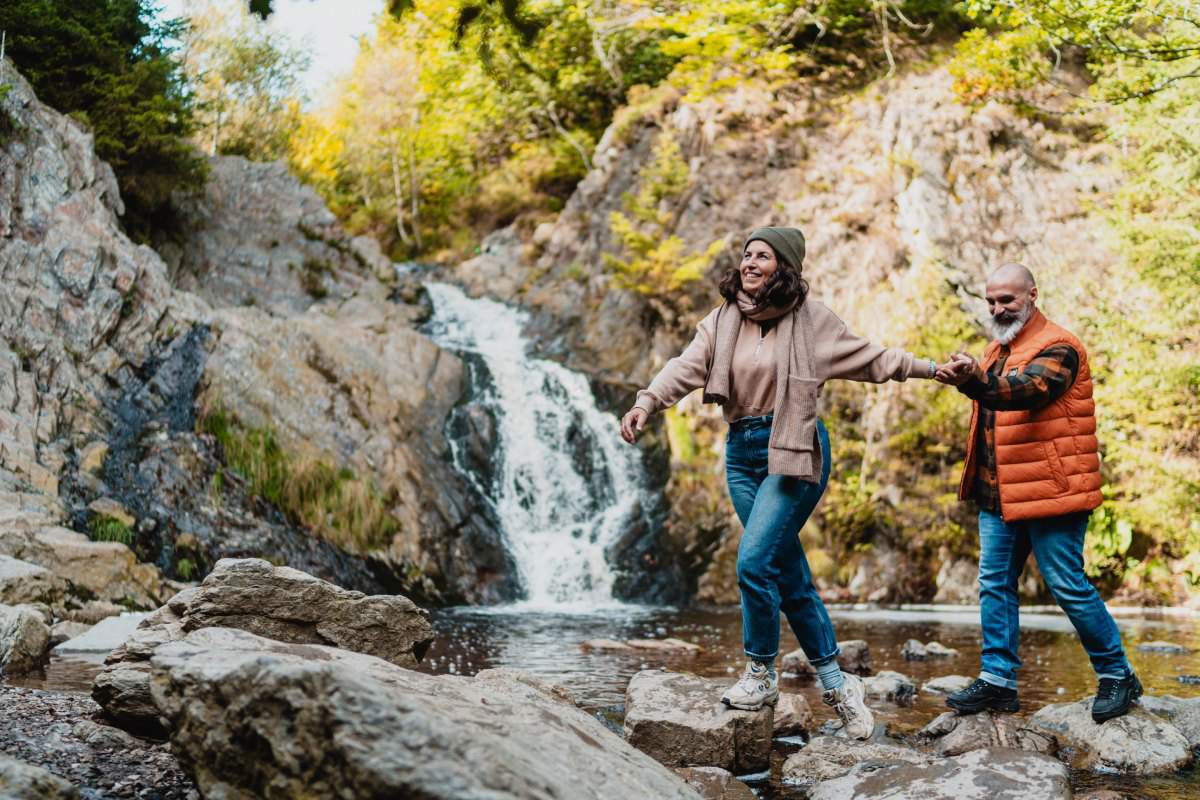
(558, 515)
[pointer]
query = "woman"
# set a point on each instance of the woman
(763, 355)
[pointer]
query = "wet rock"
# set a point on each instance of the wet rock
(668, 645)
(324, 722)
(827, 757)
(952, 734)
(1170, 648)
(679, 720)
(1189, 679)
(714, 783)
(610, 645)
(24, 639)
(855, 658)
(913, 650)
(946, 684)
(1138, 743)
(978, 775)
(792, 715)
(957, 582)
(894, 687)
(277, 602)
(1183, 713)
(22, 582)
(21, 781)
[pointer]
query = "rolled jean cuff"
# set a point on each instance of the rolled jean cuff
(764, 659)
(1115, 676)
(996, 680)
(823, 660)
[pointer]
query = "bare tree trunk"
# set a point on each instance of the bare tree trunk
(552, 115)
(413, 188)
(396, 184)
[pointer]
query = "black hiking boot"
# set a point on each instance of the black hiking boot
(1114, 697)
(981, 696)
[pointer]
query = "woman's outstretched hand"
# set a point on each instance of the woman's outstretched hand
(632, 424)
(958, 369)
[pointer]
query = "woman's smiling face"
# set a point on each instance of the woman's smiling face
(758, 264)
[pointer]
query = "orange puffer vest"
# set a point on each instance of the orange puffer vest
(1047, 461)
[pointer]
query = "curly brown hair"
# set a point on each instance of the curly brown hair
(785, 286)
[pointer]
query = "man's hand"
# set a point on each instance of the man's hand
(958, 369)
(632, 424)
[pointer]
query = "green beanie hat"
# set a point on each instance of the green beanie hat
(788, 243)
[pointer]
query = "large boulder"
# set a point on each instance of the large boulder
(1138, 743)
(1183, 713)
(22, 582)
(952, 734)
(277, 602)
(827, 757)
(22, 781)
(24, 639)
(251, 717)
(714, 783)
(679, 720)
(978, 775)
(792, 715)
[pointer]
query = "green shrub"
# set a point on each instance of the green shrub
(103, 528)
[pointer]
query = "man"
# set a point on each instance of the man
(1033, 468)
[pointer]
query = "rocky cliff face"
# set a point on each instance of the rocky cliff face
(110, 358)
(907, 199)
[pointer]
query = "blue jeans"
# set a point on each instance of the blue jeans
(772, 571)
(1057, 543)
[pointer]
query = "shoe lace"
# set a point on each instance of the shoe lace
(844, 708)
(978, 687)
(754, 680)
(1109, 688)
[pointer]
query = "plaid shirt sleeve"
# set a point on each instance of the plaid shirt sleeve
(1045, 379)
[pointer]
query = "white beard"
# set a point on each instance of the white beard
(1004, 334)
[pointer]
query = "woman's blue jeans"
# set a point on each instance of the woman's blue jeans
(1057, 543)
(772, 570)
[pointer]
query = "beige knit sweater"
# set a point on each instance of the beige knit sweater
(837, 353)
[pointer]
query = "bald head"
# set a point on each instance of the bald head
(1011, 293)
(1013, 274)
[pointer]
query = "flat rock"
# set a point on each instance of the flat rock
(952, 734)
(714, 783)
(978, 775)
(1183, 713)
(1163, 647)
(104, 636)
(792, 715)
(604, 644)
(894, 687)
(322, 722)
(679, 720)
(668, 645)
(23, 582)
(827, 757)
(855, 658)
(913, 650)
(22, 781)
(24, 639)
(1138, 743)
(946, 684)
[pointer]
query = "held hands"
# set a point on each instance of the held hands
(632, 424)
(958, 369)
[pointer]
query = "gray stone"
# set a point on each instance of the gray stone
(1170, 648)
(679, 720)
(957, 582)
(946, 684)
(105, 636)
(792, 715)
(1183, 713)
(894, 687)
(1138, 743)
(952, 734)
(854, 658)
(322, 722)
(978, 775)
(21, 781)
(714, 783)
(913, 650)
(67, 629)
(24, 639)
(23, 582)
(827, 757)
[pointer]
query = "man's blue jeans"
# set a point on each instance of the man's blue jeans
(1057, 543)
(772, 571)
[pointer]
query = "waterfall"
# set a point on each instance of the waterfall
(562, 482)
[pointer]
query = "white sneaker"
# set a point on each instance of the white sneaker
(758, 687)
(857, 719)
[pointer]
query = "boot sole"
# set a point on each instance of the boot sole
(770, 701)
(1007, 706)
(1133, 698)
